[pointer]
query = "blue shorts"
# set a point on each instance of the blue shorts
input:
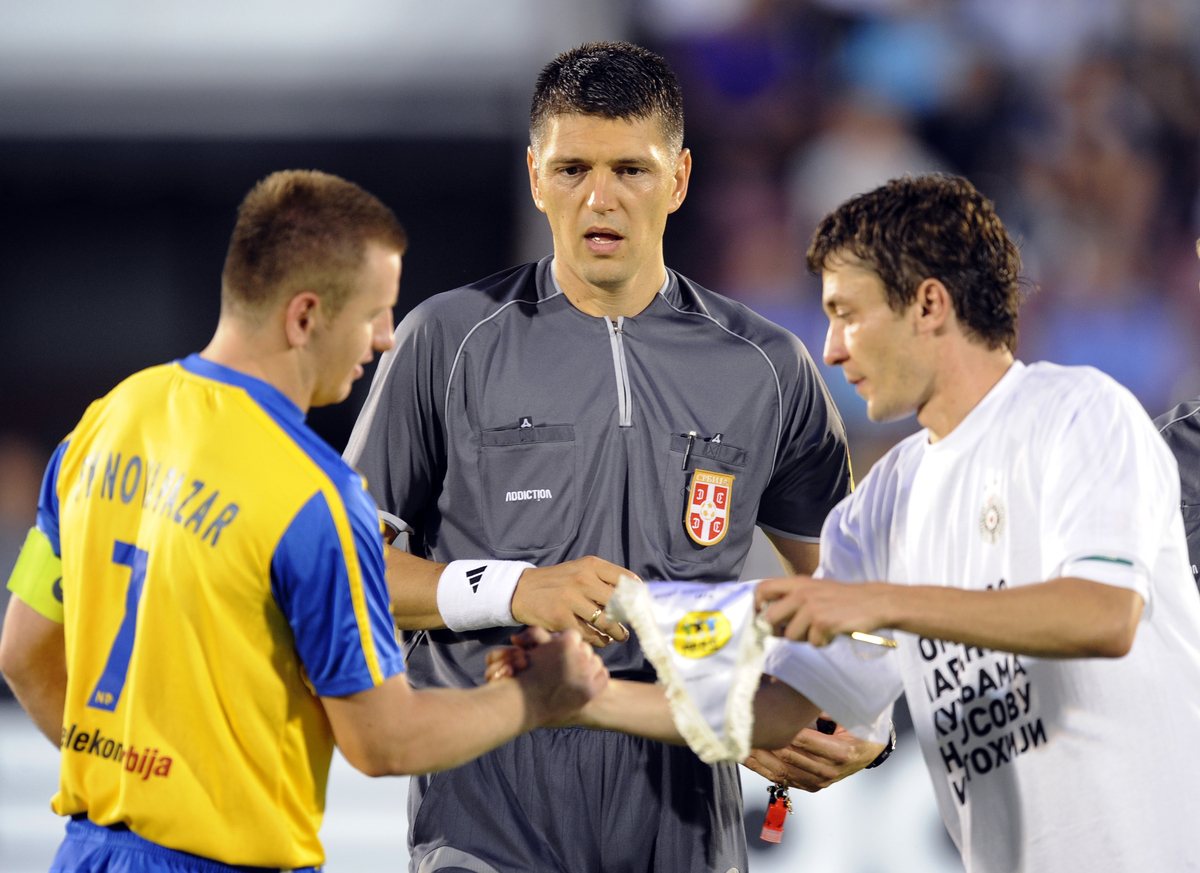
(90, 848)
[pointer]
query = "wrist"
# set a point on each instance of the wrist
(887, 750)
(888, 605)
(477, 594)
(516, 699)
(594, 713)
(539, 702)
(532, 709)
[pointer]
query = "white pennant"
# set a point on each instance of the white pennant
(708, 647)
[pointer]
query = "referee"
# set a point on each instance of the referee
(1181, 429)
(542, 430)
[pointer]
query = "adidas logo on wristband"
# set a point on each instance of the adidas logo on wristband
(474, 596)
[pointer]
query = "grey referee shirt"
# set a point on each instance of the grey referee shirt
(505, 423)
(1181, 429)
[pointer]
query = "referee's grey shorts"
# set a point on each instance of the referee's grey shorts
(573, 800)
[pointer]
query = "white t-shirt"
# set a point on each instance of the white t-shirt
(1038, 764)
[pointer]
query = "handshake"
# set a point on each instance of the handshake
(559, 674)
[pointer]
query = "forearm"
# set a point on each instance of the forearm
(780, 712)
(44, 699)
(560, 597)
(428, 730)
(1063, 618)
(412, 585)
(642, 709)
(34, 663)
(637, 708)
(796, 557)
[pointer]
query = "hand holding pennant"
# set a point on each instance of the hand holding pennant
(708, 646)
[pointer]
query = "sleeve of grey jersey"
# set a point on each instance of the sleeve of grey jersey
(812, 464)
(397, 441)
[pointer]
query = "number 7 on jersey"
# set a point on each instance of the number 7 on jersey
(112, 681)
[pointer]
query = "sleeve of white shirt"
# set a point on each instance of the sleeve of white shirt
(1110, 486)
(857, 692)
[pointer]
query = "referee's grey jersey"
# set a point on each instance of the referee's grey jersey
(1181, 429)
(505, 423)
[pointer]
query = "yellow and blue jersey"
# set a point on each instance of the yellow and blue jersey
(222, 567)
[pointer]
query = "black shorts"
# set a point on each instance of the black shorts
(573, 800)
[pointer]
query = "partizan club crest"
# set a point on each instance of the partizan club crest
(991, 519)
(707, 513)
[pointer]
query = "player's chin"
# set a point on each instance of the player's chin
(333, 396)
(881, 410)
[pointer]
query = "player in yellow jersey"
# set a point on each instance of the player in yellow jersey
(222, 617)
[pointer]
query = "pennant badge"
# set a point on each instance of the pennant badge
(707, 514)
(699, 634)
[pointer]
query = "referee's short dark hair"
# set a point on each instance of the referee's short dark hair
(614, 80)
(934, 226)
(302, 230)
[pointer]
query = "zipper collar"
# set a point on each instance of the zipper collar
(616, 341)
(547, 285)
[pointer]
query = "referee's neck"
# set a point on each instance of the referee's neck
(621, 298)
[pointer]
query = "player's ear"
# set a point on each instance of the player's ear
(300, 317)
(683, 172)
(933, 306)
(534, 189)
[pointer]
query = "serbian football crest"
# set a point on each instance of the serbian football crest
(707, 513)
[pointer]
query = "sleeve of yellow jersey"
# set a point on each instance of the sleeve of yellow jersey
(37, 577)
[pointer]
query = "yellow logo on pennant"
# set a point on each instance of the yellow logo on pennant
(707, 515)
(699, 634)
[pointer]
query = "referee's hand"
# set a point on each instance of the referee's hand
(571, 596)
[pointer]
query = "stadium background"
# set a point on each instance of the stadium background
(130, 130)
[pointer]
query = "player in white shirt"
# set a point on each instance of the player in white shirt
(1037, 585)
(1034, 552)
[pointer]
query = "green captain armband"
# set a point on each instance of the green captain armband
(37, 577)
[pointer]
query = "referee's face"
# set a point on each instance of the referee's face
(607, 187)
(878, 349)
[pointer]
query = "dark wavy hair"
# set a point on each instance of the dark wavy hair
(615, 80)
(931, 227)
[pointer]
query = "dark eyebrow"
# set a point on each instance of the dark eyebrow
(617, 162)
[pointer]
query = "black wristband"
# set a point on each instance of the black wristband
(887, 750)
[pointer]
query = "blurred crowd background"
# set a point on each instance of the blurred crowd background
(1078, 118)
(130, 130)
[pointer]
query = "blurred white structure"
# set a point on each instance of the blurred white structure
(276, 68)
(865, 144)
